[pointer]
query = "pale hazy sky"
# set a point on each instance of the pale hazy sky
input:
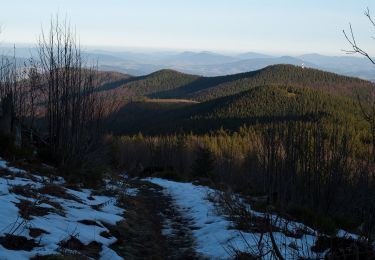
(271, 26)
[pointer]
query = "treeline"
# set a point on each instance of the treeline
(321, 174)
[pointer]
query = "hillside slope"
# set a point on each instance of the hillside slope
(160, 81)
(173, 84)
(259, 105)
(211, 88)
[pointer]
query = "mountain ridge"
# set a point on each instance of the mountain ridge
(174, 84)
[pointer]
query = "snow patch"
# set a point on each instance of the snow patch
(58, 227)
(4, 165)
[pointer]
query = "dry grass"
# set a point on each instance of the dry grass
(57, 206)
(35, 166)
(91, 250)
(57, 191)
(72, 243)
(6, 174)
(27, 191)
(100, 206)
(27, 210)
(37, 232)
(238, 213)
(13, 242)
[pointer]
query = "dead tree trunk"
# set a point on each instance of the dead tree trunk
(6, 115)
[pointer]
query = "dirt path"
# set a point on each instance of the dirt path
(153, 228)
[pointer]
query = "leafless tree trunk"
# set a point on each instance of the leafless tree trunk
(74, 111)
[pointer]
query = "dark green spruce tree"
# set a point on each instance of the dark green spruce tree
(203, 166)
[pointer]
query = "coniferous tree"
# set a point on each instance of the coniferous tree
(203, 165)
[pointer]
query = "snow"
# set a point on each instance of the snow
(214, 234)
(345, 234)
(59, 227)
(121, 186)
(4, 165)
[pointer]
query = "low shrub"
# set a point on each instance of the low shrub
(90, 176)
(10, 151)
(313, 219)
(169, 175)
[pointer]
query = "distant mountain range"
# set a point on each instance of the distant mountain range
(213, 64)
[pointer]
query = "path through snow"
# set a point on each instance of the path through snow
(214, 234)
(154, 228)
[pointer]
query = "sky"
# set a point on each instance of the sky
(268, 26)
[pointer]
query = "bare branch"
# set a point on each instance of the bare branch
(368, 15)
(355, 47)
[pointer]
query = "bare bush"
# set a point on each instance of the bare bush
(74, 111)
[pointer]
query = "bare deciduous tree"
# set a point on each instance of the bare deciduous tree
(73, 109)
(350, 37)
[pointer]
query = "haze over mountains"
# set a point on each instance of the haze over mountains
(139, 63)
(215, 64)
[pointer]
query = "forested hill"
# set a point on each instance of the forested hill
(109, 80)
(259, 105)
(210, 88)
(163, 80)
(173, 84)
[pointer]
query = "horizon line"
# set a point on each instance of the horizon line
(153, 49)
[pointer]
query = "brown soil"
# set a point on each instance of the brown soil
(142, 234)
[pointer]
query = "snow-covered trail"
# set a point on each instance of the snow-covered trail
(155, 229)
(215, 235)
(209, 230)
